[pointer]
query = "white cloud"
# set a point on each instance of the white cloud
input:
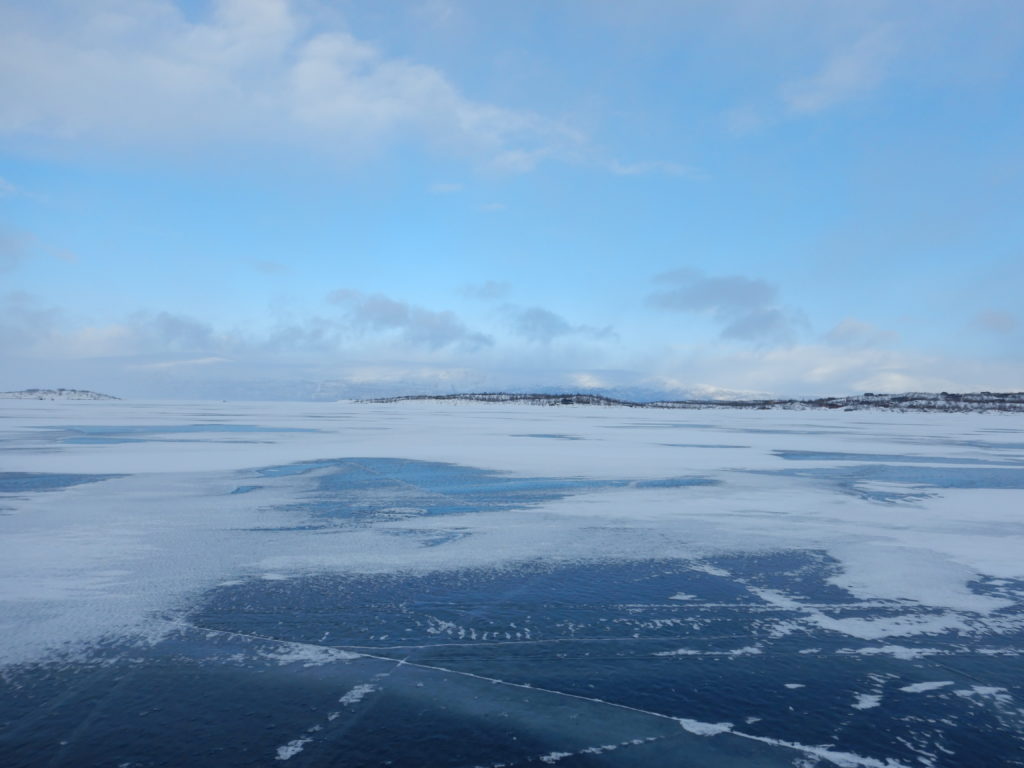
(374, 344)
(587, 381)
(139, 73)
(848, 73)
(820, 369)
(645, 169)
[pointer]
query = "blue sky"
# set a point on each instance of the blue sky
(256, 198)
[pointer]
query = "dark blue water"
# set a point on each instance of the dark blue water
(575, 664)
(479, 667)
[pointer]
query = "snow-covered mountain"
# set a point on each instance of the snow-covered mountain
(55, 394)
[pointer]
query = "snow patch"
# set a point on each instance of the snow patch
(921, 687)
(867, 701)
(896, 651)
(704, 729)
(292, 748)
(357, 694)
(553, 757)
(309, 655)
(750, 650)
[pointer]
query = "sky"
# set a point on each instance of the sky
(293, 199)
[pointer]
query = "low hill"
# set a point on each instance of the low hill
(55, 394)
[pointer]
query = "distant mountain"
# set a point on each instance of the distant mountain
(55, 394)
(908, 401)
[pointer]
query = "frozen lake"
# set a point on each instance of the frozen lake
(467, 584)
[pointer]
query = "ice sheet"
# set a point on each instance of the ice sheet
(113, 544)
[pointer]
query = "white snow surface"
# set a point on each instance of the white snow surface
(113, 558)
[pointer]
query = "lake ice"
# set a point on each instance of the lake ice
(464, 584)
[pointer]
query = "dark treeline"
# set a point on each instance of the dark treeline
(908, 401)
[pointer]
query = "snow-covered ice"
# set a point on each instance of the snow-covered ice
(486, 559)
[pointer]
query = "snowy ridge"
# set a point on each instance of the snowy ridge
(974, 402)
(55, 394)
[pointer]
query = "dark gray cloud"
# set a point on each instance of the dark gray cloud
(747, 309)
(416, 325)
(542, 326)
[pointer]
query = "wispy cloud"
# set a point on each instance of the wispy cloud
(445, 188)
(743, 120)
(653, 168)
(849, 72)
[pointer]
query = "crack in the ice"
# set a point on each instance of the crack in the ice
(845, 759)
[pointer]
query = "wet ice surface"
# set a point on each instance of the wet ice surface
(463, 585)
